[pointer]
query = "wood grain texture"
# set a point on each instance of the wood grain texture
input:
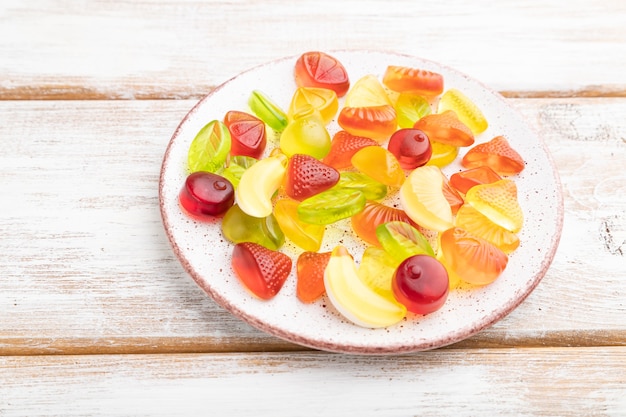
(537, 382)
(85, 266)
(118, 49)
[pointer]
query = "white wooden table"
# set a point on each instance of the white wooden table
(97, 316)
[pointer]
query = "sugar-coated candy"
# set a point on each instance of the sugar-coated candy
(379, 164)
(307, 176)
(206, 194)
(445, 128)
(462, 181)
(401, 240)
(476, 260)
(371, 189)
(367, 91)
(247, 133)
(323, 100)
(209, 149)
(319, 69)
(261, 270)
(237, 226)
(423, 200)
(373, 215)
(375, 122)
(413, 80)
(411, 147)
(471, 220)
(410, 108)
(343, 146)
(498, 202)
(465, 109)
(306, 134)
(259, 183)
(310, 268)
(306, 236)
(331, 205)
(421, 283)
(268, 111)
(496, 154)
(353, 298)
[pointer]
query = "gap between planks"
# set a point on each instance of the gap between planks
(73, 92)
(199, 345)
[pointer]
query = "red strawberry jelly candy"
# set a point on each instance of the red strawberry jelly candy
(261, 270)
(318, 69)
(464, 180)
(205, 194)
(307, 176)
(343, 146)
(496, 154)
(411, 147)
(310, 269)
(247, 134)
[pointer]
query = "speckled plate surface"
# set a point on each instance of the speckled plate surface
(205, 254)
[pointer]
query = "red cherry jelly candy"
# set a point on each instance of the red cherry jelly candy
(421, 284)
(205, 194)
(411, 147)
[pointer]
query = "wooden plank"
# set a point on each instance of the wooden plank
(172, 49)
(537, 382)
(85, 266)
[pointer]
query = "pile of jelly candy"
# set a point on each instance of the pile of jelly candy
(396, 133)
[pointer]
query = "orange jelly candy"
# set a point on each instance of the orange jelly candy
(343, 147)
(445, 128)
(464, 180)
(376, 122)
(496, 154)
(475, 260)
(379, 164)
(374, 214)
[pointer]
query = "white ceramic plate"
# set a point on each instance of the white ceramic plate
(206, 254)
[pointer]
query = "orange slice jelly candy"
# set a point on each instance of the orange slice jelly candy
(380, 165)
(446, 128)
(470, 219)
(376, 122)
(367, 91)
(498, 202)
(464, 180)
(475, 260)
(374, 214)
(496, 154)
(323, 100)
(318, 69)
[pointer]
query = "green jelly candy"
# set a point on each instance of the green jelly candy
(236, 168)
(376, 270)
(268, 111)
(331, 205)
(209, 149)
(238, 227)
(401, 240)
(410, 108)
(373, 190)
(306, 134)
